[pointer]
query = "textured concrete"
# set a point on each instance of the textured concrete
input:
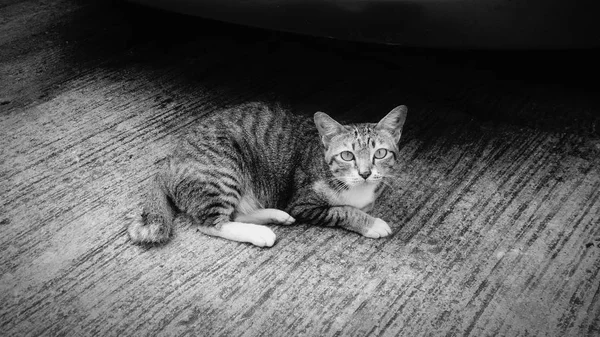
(495, 216)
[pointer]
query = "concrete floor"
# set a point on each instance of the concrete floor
(495, 216)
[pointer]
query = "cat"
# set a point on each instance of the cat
(258, 164)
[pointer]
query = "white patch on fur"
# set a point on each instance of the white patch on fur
(359, 196)
(139, 232)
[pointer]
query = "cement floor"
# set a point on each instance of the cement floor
(495, 216)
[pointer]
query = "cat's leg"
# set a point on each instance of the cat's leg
(211, 197)
(257, 235)
(215, 220)
(266, 216)
(347, 217)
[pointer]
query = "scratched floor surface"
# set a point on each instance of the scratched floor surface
(495, 215)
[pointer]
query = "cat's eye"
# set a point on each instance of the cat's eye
(381, 153)
(347, 155)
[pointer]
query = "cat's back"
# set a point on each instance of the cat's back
(260, 142)
(263, 133)
(256, 123)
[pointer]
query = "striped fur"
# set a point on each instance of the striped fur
(254, 164)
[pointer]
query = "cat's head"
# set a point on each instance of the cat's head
(361, 153)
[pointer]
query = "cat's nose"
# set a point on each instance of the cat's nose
(365, 174)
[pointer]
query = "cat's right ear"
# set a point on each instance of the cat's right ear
(327, 127)
(393, 122)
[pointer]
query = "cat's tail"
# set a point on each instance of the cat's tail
(155, 223)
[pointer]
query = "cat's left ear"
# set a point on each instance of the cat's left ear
(394, 121)
(327, 127)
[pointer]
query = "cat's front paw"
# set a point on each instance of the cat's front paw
(261, 236)
(378, 229)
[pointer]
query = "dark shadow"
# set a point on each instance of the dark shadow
(547, 90)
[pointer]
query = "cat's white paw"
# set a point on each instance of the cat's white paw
(261, 236)
(282, 218)
(257, 235)
(266, 216)
(378, 229)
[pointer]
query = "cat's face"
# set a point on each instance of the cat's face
(361, 153)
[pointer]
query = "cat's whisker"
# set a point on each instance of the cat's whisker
(339, 189)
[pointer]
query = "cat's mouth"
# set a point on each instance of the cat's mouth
(355, 182)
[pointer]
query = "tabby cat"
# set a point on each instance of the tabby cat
(255, 164)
